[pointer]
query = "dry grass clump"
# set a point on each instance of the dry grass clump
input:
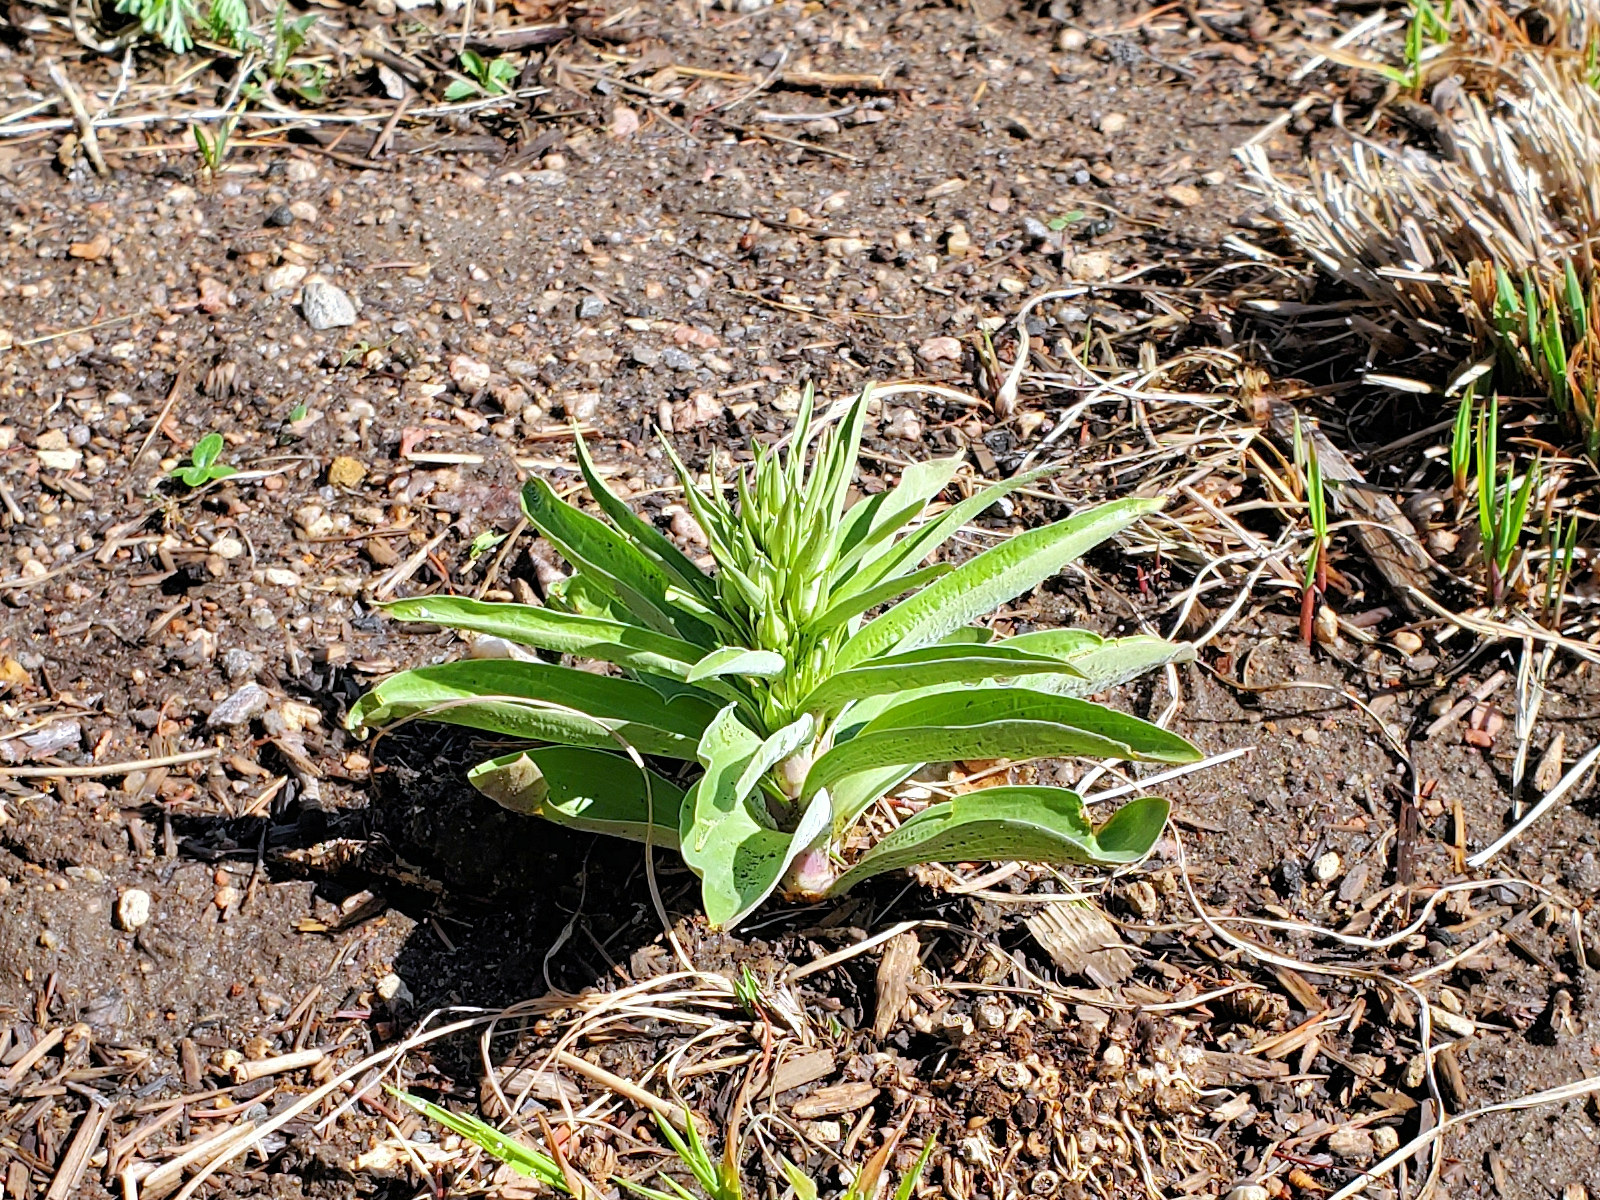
(1486, 239)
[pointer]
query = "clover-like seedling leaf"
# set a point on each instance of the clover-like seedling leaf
(203, 465)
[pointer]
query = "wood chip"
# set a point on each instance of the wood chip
(1218, 1068)
(1300, 991)
(76, 1160)
(833, 1100)
(894, 980)
(1548, 773)
(1082, 941)
(1451, 1084)
(801, 1070)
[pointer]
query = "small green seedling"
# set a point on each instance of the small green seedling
(1461, 446)
(522, 1159)
(203, 465)
(1562, 539)
(1057, 224)
(1316, 573)
(1547, 338)
(288, 37)
(213, 147)
(482, 544)
(1502, 505)
(487, 77)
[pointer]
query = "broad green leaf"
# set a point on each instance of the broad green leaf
(610, 560)
(515, 698)
(738, 855)
(581, 595)
(675, 690)
(1015, 723)
(736, 660)
(917, 545)
(641, 531)
(870, 525)
(725, 748)
(787, 741)
(1029, 824)
(853, 606)
(1058, 643)
(1132, 830)
(584, 789)
(1109, 664)
(932, 666)
(522, 1159)
(968, 635)
(632, 646)
(994, 577)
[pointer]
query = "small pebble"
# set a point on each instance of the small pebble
(1385, 1140)
(227, 896)
(1326, 866)
(247, 703)
(470, 375)
(283, 279)
(392, 989)
(279, 217)
(590, 307)
(1406, 642)
(133, 908)
(989, 1016)
(1326, 625)
(326, 306)
(346, 472)
(238, 663)
(1351, 1145)
(1249, 1191)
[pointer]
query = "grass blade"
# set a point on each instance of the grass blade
(522, 1159)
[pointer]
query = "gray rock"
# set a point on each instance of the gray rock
(42, 743)
(279, 218)
(248, 702)
(678, 360)
(645, 356)
(1351, 1145)
(590, 307)
(326, 306)
(239, 664)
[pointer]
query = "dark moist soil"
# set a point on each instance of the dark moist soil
(690, 279)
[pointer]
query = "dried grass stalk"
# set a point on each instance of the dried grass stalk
(1456, 242)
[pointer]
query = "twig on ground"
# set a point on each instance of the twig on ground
(74, 99)
(1555, 794)
(117, 768)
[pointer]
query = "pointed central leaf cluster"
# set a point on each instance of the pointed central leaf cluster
(756, 709)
